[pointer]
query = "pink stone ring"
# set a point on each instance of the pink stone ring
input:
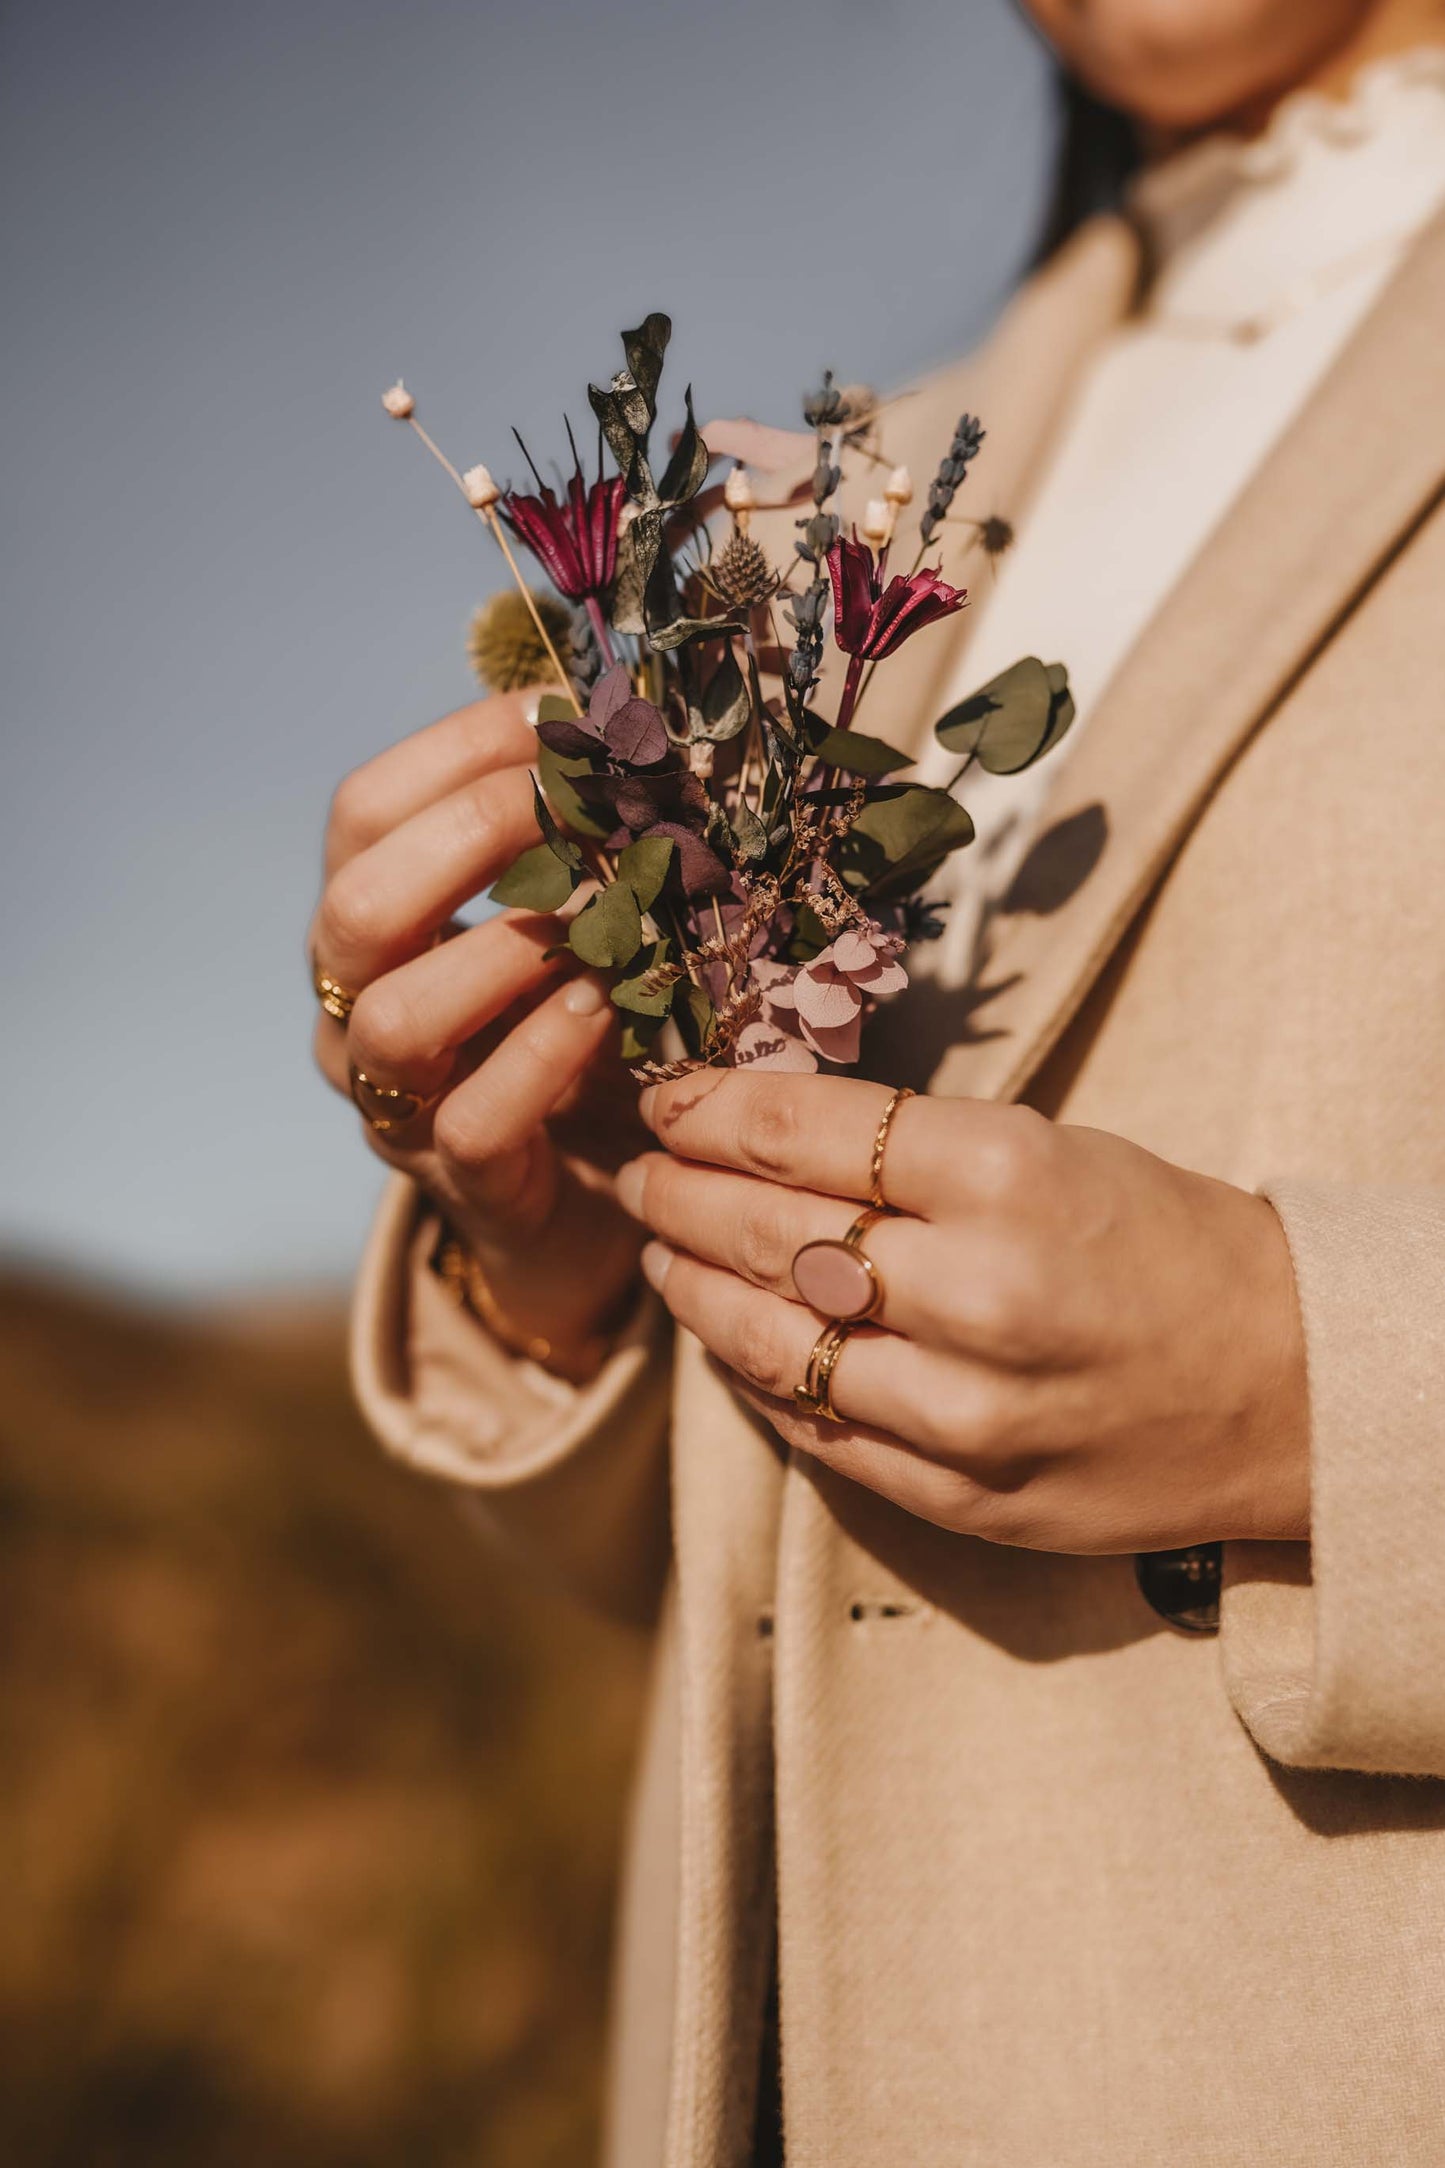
(837, 1279)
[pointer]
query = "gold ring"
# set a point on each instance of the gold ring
(816, 1391)
(839, 1279)
(384, 1106)
(880, 1145)
(333, 996)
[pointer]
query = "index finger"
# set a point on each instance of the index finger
(810, 1132)
(431, 764)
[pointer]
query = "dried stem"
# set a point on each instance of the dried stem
(489, 518)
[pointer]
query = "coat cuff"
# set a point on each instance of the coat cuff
(1334, 1652)
(575, 1474)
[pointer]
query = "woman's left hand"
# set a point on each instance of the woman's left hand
(1080, 1347)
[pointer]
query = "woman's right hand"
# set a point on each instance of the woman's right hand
(528, 1108)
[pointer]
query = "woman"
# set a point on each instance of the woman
(1038, 1878)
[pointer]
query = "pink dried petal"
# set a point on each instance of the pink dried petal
(825, 998)
(761, 1045)
(840, 1042)
(852, 951)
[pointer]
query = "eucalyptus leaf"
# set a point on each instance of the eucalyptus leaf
(608, 931)
(643, 866)
(556, 773)
(903, 835)
(639, 1035)
(750, 834)
(1012, 721)
(566, 852)
(629, 993)
(539, 881)
(726, 704)
(695, 1015)
(637, 548)
(858, 754)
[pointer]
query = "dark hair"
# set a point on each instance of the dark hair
(1098, 150)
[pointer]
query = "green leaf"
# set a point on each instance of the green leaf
(643, 866)
(639, 1034)
(567, 853)
(810, 935)
(687, 469)
(539, 881)
(555, 770)
(903, 835)
(858, 754)
(696, 1017)
(726, 704)
(608, 932)
(1012, 721)
(629, 992)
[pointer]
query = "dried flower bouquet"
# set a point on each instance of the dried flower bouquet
(747, 870)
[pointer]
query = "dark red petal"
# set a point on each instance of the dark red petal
(850, 568)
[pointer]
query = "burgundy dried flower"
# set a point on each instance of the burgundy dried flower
(575, 541)
(871, 620)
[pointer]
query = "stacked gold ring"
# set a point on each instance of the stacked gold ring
(332, 995)
(816, 1391)
(384, 1106)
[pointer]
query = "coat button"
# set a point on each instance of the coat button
(1183, 1586)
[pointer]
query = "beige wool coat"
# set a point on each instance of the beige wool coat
(1056, 1886)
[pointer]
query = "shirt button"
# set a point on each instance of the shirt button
(1183, 1586)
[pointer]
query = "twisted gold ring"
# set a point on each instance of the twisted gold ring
(385, 1106)
(332, 995)
(880, 1145)
(816, 1391)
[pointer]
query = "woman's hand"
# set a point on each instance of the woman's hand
(527, 1109)
(1080, 1347)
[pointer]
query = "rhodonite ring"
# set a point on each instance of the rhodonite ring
(838, 1279)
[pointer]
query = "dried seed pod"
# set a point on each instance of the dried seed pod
(741, 573)
(480, 491)
(899, 487)
(878, 523)
(503, 643)
(399, 402)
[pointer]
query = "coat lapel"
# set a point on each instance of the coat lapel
(1315, 526)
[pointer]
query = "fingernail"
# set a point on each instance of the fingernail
(631, 1180)
(656, 1264)
(646, 1103)
(585, 997)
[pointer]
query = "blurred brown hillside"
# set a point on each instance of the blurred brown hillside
(308, 1806)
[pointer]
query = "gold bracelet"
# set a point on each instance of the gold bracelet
(464, 1279)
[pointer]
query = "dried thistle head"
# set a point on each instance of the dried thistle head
(740, 574)
(505, 648)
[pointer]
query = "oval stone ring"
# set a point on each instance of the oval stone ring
(838, 1279)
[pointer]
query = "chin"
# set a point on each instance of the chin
(1186, 64)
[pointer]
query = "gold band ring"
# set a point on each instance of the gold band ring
(384, 1106)
(816, 1391)
(880, 1145)
(839, 1279)
(332, 995)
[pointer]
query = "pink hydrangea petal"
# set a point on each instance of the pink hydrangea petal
(763, 1046)
(824, 999)
(852, 951)
(885, 978)
(838, 1042)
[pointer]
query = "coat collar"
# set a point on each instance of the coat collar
(1321, 517)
